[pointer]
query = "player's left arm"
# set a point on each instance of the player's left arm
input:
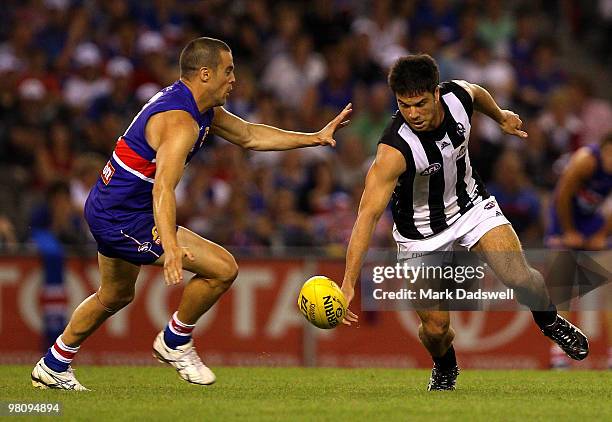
(580, 168)
(262, 137)
(508, 121)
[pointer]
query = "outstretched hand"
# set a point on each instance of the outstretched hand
(511, 124)
(349, 293)
(326, 135)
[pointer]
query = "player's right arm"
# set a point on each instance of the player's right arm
(580, 168)
(379, 184)
(260, 137)
(172, 134)
(508, 121)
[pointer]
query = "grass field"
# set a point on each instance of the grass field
(287, 394)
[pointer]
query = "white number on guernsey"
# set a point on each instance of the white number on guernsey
(151, 101)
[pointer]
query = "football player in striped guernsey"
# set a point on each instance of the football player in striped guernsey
(440, 204)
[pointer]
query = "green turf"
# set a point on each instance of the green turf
(156, 393)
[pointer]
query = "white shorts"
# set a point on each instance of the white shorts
(464, 232)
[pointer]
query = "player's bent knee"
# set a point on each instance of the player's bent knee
(520, 279)
(229, 272)
(226, 271)
(436, 329)
(115, 301)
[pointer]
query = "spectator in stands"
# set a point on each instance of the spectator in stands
(85, 172)
(78, 70)
(350, 163)
(386, 32)
(364, 68)
(120, 99)
(496, 27)
(56, 220)
(516, 198)
(88, 82)
(293, 227)
(594, 113)
(562, 128)
(55, 158)
(324, 100)
(289, 75)
(542, 77)
(438, 14)
(8, 238)
(525, 40)
(371, 120)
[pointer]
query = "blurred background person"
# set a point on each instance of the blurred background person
(578, 217)
(515, 195)
(57, 229)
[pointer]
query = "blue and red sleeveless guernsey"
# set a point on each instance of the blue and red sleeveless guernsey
(120, 206)
(586, 204)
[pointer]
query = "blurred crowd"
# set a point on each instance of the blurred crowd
(73, 73)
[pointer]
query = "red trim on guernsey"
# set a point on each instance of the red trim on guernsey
(134, 161)
(63, 353)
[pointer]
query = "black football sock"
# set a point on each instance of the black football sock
(448, 360)
(545, 318)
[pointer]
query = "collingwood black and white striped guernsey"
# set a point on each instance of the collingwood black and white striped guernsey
(439, 184)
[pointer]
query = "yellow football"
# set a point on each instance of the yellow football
(321, 302)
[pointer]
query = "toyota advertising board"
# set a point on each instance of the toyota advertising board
(257, 323)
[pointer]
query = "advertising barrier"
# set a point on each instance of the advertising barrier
(257, 323)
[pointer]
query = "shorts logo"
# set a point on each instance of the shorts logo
(155, 235)
(431, 169)
(444, 144)
(144, 247)
(498, 214)
(489, 205)
(460, 129)
(107, 173)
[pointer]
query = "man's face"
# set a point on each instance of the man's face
(419, 110)
(222, 78)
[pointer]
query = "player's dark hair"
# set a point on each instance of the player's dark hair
(414, 74)
(201, 52)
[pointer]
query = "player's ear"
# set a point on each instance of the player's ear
(437, 94)
(204, 74)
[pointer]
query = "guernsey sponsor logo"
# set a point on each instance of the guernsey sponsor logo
(107, 173)
(434, 168)
(144, 247)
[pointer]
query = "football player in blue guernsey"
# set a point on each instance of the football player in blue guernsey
(440, 204)
(577, 220)
(578, 217)
(131, 211)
